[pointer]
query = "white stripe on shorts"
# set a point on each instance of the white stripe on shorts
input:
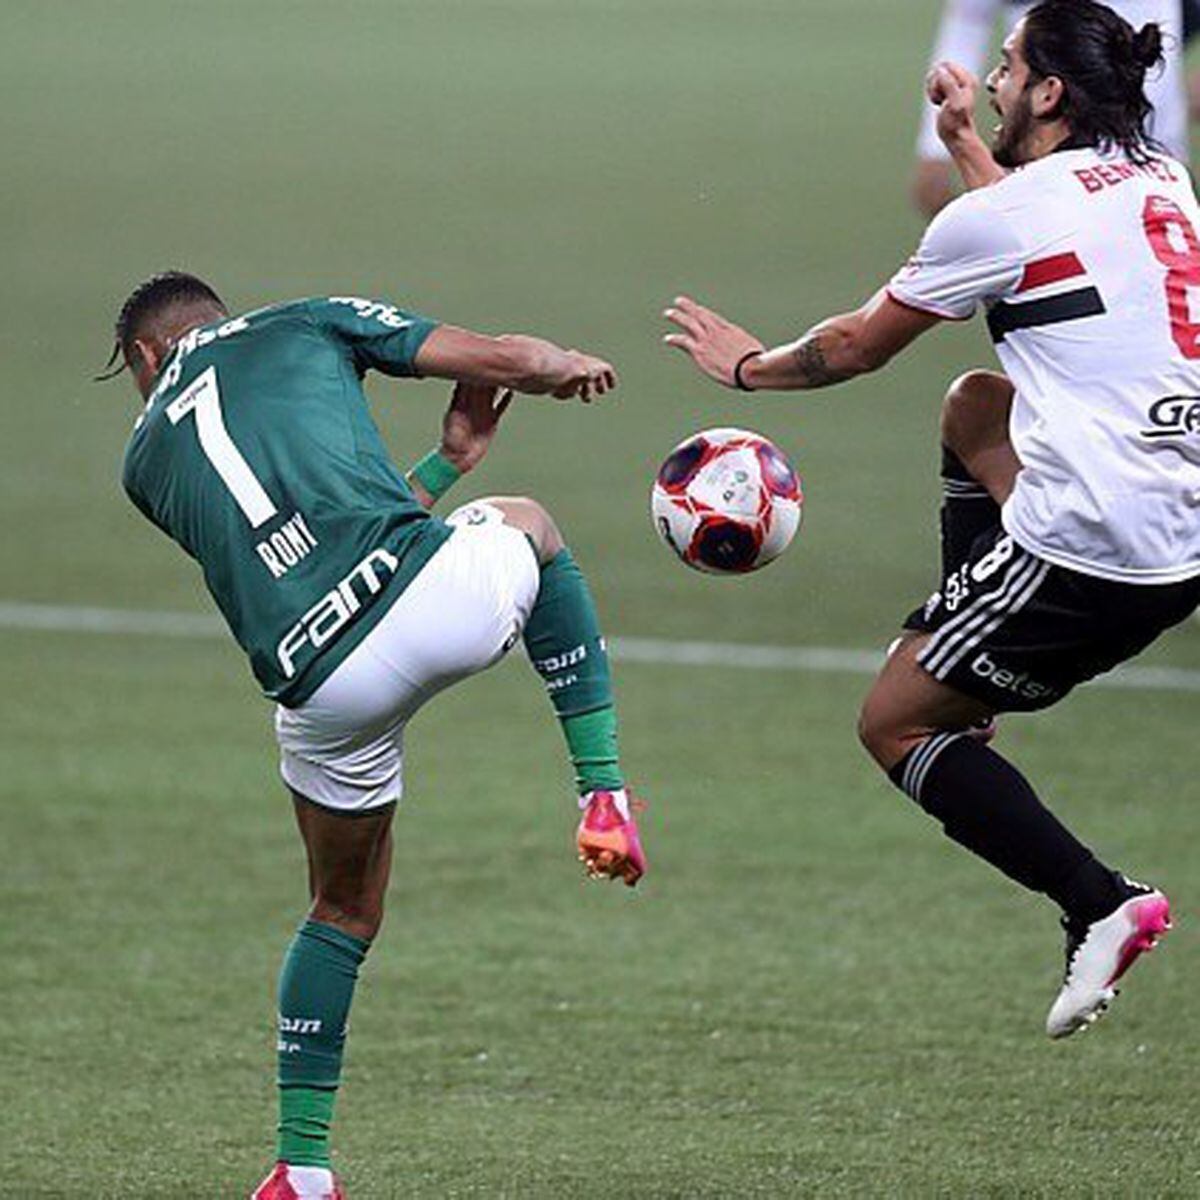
(984, 615)
(1028, 585)
(957, 489)
(978, 608)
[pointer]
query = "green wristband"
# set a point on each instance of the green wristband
(436, 474)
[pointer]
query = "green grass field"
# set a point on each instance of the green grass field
(813, 993)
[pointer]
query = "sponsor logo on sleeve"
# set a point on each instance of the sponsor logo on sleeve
(385, 314)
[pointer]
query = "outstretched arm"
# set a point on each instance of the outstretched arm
(833, 351)
(515, 361)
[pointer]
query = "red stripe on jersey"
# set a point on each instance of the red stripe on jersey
(1054, 269)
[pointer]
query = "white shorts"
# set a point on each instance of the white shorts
(343, 747)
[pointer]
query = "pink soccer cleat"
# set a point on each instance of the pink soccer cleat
(609, 846)
(1100, 953)
(286, 1182)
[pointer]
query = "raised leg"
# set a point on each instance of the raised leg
(979, 466)
(567, 649)
(974, 427)
(916, 729)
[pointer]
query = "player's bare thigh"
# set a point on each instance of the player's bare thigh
(532, 520)
(906, 705)
(975, 417)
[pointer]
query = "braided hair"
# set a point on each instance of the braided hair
(1102, 62)
(149, 301)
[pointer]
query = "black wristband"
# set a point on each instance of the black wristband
(738, 381)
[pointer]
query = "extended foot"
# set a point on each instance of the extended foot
(1099, 953)
(607, 837)
(286, 1182)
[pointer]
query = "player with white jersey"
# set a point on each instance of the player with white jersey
(963, 36)
(1070, 530)
(1068, 254)
(256, 452)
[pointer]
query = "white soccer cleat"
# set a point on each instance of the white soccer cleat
(1100, 953)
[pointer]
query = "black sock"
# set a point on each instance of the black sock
(967, 511)
(985, 804)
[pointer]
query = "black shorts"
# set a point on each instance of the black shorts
(1018, 632)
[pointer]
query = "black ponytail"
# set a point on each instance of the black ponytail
(1148, 47)
(1103, 64)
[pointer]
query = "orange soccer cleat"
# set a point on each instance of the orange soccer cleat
(608, 841)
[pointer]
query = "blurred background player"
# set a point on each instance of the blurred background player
(1191, 26)
(256, 452)
(964, 36)
(1070, 539)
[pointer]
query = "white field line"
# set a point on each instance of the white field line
(50, 618)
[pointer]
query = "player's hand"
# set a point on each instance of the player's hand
(585, 377)
(715, 344)
(471, 421)
(953, 90)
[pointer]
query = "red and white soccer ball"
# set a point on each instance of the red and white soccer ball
(727, 501)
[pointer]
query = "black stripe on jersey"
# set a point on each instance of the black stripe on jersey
(1006, 317)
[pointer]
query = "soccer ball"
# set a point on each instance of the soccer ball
(727, 501)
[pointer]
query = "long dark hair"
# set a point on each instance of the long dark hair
(1102, 62)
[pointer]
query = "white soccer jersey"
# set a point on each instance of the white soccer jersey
(1089, 269)
(965, 33)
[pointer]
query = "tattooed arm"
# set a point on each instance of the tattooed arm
(803, 363)
(833, 351)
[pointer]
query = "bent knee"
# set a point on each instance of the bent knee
(532, 518)
(353, 914)
(975, 409)
(872, 735)
(885, 736)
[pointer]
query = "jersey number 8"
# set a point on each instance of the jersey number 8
(1175, 245)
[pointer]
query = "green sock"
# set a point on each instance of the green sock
(305, 1118)
(316, 986)
(564, 642)
(592, 741)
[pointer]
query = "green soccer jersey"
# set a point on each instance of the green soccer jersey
(256, 452)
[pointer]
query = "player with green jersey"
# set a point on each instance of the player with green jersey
(273, 400)
(256, 452)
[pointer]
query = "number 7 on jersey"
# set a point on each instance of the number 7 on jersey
(203, 398)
